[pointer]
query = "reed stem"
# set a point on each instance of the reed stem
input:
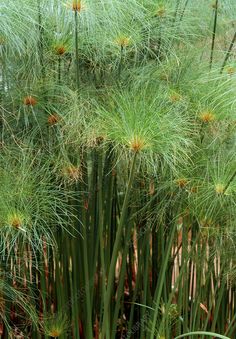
(214, 32)
(116, 247)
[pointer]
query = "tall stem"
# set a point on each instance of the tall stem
(111, 275)
(76, 49)
(228, 52)
(184, 9)
(161, 281)
(121, 61)
(59, 70)
(40, 42)
(214, 33)
(176, 9)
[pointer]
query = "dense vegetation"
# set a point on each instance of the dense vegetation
(117, 169)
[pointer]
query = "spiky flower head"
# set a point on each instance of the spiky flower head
(53, 119)
(207, 116)
(123, 41)
(181, 182)
(137, 143)
(76, 5)
(220, 188)
(55, 332)
(18, 221)
(175, 97)
(230, 70)
(72, 173)
(29, 100)
(161, 11)
(60, 49)
(56, 325)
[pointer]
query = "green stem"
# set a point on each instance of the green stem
(214, 33)
(40, 43)
(228, 52)
(88, 299)
(111, 275)
(218, 305)
(101, 223)
(161, 281)
(232, 325)
(120, 290)
(59, 69)
(184, 9)
(121, 61)
(136, 290)
(176, 9)
(76, 50)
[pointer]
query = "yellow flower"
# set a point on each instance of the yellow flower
(54, 333)
(181, 182)
(123, 41)
(161, 11)
(220, 188)
(137, 143)
(230, 70)
(175, 97)
(207, 116)
(17, 220)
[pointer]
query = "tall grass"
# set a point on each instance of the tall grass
(117, 195)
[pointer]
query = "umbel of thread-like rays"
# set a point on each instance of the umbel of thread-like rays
(138, 120)
(31, 207)
(215, 189)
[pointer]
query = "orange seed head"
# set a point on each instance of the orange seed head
(207, 117)
(73, 173)
(175, 97)
(30, 101)
(60, 50)
(181, 182)
(53, 119)
(76, 6)
(54, 333)
(137, 144)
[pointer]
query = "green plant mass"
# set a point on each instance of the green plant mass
(117, 169)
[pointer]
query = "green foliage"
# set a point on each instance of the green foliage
(117, 168)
